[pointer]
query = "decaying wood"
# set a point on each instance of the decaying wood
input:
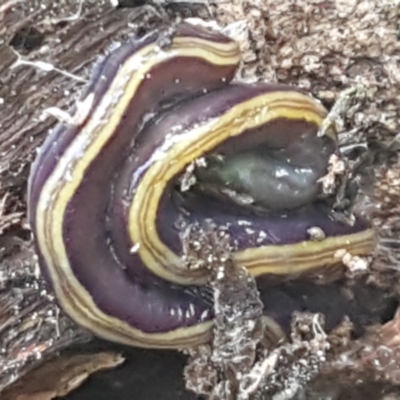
(47, 50)
(60, 375)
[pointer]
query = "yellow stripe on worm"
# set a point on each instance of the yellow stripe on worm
(98, 231)
(197, 142)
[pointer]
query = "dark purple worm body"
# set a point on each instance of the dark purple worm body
(104, 199)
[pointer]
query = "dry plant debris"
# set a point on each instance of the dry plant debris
(57, 377)
(219, 370)
(251, 356)
(240, 363)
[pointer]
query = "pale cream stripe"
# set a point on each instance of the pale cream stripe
(296, 258)
(192, 145)
(69, 172)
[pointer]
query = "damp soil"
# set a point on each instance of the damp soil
(145, 375)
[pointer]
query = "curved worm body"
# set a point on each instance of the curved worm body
(104, 197)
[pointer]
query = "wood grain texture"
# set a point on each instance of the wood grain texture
(278, 42)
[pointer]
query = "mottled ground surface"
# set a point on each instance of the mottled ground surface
(47, 50)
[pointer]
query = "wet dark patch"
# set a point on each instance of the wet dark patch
(27, 39)
(146, 375)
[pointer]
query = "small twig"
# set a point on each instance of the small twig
(340, 108)
(44, 66)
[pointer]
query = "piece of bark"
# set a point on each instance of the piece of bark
(58, 376)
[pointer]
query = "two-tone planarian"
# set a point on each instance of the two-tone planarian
(104, 192)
